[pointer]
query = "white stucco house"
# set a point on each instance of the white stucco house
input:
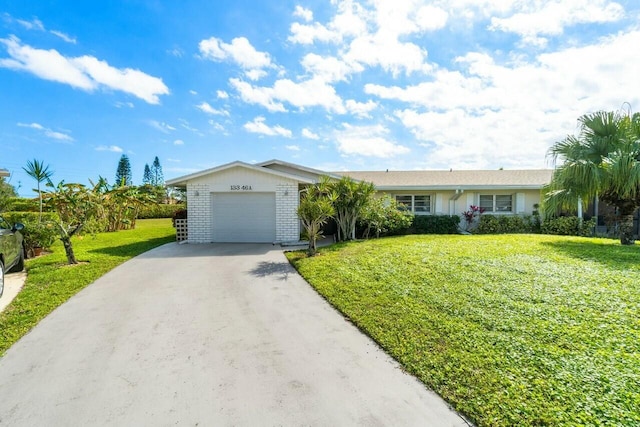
(242, 202)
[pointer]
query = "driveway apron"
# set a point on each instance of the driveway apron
(215, 334)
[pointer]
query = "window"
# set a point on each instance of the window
(496, 202)
(418, 204)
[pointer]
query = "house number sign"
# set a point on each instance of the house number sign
(240, 188)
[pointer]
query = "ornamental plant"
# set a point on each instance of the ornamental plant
(471, 216)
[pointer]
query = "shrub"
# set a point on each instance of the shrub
(381, 217)
(179, 214)
(159, 211)
(435, 224)
(568, 226)
(22, 204)
(39, 235)
(28, 217)
(503, 224)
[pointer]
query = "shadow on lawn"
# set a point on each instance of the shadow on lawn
(133, 248)
(614, 256)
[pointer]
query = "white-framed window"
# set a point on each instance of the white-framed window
(416, 203)
(496, 202)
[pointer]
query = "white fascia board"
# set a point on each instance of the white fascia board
(456, 187)
(4, 173)
(295, 166)
(182, 181)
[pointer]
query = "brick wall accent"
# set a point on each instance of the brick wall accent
(199, 208)
(287, 222)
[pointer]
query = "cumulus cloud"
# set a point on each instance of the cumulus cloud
(305, 14)
(112, 148)
(222, 94)
(49, 133)
(240, 51)
(258, 125)
(314, 92)
(84, 72)
(292, 147)
(309, 134)
(552, 17)
(369, 141)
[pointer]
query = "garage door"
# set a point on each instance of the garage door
(244, 217)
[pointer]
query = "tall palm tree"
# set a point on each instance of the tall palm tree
(38, 171)
(603, 161)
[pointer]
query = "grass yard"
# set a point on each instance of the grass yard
(50, 282)
(510, 329)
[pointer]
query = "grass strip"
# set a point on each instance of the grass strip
(511, 330)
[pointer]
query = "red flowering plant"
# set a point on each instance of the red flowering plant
(471, 215)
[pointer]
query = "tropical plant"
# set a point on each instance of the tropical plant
(41, 173)
(7, 194)
(472, 216)
(382, 216)
(351, 199)
(602, 161)
(75, 205)
(315, 209)
(123, 173)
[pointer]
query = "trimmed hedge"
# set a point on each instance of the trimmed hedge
(28, 217)
(22, 204)
(504, 224)
(569, 226)
(434, 224)
(159, 211)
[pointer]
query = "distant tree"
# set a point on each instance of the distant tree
(157, 178)
(38, 171)
(7, 191)
(123, 173)
(146, 177)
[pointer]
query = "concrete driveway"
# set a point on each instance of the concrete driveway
(202, 335)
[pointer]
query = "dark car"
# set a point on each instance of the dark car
(11, 250)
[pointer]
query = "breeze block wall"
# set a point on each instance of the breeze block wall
(287, 222)
(199, 208)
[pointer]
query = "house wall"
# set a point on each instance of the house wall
(447, 202)
(199, 196)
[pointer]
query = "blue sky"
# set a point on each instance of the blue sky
(330, 84)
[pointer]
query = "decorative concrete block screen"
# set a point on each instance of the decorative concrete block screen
(181, 229)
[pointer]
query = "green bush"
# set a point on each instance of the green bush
(435, 224)
(159, 211)
(381, 217)
(39, 235)
(568, 226)
(22, 204)
(28, 217)
(505, 224)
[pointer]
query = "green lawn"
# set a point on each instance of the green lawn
(510, 329)
(50, 282)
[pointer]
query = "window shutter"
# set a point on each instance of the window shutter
(520, 202)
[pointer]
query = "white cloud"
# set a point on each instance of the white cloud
(205, 107)
(314, 92)
(305, 14)
(119, 104)
(258, 126)
(49, 133)
(369, 141)
(178, 142)
(161, 126)
(329, 68)
(552, 17)
(34, 24)
(112, 148)
(360, 109)
(240, 51)
(292, 147)
(430, 18)
(308, 34)
(193, 92)
(84, 72)
(221, 94)
(64, 36)
(309, 134)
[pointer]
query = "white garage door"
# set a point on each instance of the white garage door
(244, 217)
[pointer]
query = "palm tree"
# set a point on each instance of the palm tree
(38, 171)
(602, 162)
